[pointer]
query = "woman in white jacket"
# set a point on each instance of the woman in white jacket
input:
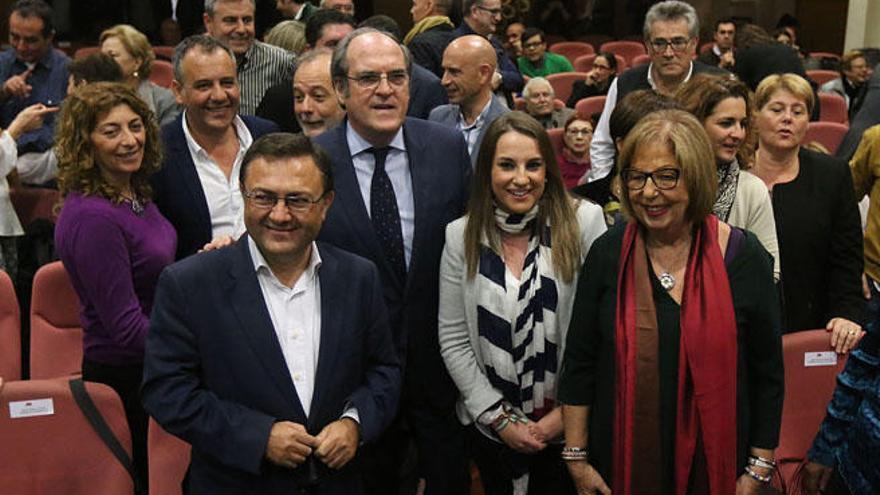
(507, 281)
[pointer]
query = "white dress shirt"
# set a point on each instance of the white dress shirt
(397, 168)
(225, 204)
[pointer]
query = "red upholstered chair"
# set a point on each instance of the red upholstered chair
(641, 60)
(705, 47)
(562, 82)
(32, 203)
(56, 332)
(520, 104)
(168, 459)
(835, 56)
(832, 108)
(829, 134)
(626, 49)
(589, 106)
(808, 390)
(572, 49)
(10, 330)
(556, 136)
(86, 51)
(162, 73)
(61, 453)
(593, 39)
(821, 77)
(164, 52)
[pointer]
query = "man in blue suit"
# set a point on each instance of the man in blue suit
(197, 187)
(273, 357)
(399, 182)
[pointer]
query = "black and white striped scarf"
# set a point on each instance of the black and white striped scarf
(520, 350)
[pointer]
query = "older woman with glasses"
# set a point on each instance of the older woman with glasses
(672, 376)
(507, 280)
(573, 156)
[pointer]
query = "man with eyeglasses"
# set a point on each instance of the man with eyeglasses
(482, 17)
(536, 61)
(197, 187)
(273, 357)
(721, 53)
(670, 29)
(399, 182)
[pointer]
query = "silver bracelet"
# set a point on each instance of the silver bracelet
(763, 479)
(574, 454)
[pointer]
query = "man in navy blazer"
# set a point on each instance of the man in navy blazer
(196, 189)
(273, 357)
(428, 168)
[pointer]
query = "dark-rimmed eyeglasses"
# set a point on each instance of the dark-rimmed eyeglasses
(266, 200)
(492, 12)
(678, 44)
(371, 80)
(664, 178)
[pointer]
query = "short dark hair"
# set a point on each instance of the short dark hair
(207, 44)
(610, 57)
(315, 24)
(35, 8)
(724, 20)
(531, 32)
(96, 67)
(279, 145)
(383, 23)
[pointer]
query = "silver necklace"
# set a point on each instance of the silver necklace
(136, 206)
(667, 280)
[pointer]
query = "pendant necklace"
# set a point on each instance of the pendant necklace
(667, 280)
(136, 206)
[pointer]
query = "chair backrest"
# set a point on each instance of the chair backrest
(589, 106)
(593, 39)
(162, 73)
(829, 134)
(835, 56)
(169, 457)
(86, 51)
(572, 49)
(56, 332)
(811, 369)
(626, 49)
(34, 203)
(820, 76)
(60, 452)
(10, 330)
(556, 135)
(641, 60)
(832, 108)
(164, 52)
(563, 81)
(520, 104)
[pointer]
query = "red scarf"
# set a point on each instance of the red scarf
(706, 405)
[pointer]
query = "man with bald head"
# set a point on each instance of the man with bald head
(399, 181)
(468, 65)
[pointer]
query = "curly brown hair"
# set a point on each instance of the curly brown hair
(78, 118)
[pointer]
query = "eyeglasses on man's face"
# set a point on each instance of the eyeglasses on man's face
(678, 44)
(266, 200)
(371, 80)
(492, 12)
(664, 178)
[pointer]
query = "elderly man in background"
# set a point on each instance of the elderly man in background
(852, 83)
(541, 104)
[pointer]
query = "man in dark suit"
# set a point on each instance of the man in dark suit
(273, 357)
(196, 189)
(399, 182)
(296, 10)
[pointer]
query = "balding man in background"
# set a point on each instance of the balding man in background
(316, 106)
(469, 63)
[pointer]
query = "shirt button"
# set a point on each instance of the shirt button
(297, 377)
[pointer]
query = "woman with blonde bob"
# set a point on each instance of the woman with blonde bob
(724, 105)
(111, 238)
(817, 217)
(132, 51)
(672, 375)
(507, 279)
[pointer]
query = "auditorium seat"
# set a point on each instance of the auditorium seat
(56, 332)
(832, 108)
(821, 55)
(555, 136)
(626, 49)
(829, 134)
(588, 106)
(164, 52)
(820, 76)
(168, 460)
(60, 453)
(162, 73)
(808, 389)
(572, 49)
(641, 60)
(34, 203)
(562, 82)
(86, 51)
(10, 330)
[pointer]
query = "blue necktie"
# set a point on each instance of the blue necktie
(384, 214)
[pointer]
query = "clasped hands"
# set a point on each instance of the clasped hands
(290, 444)
(531, 437)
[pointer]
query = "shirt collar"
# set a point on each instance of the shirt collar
(47, 60)
(478, 122)
(651, 77)
(241, 130)
(357, 144)
(260, 263)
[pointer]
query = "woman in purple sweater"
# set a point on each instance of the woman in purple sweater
(111, 238)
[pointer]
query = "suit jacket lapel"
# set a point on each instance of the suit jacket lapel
(246, 299)
(186, 168)
(420, 183)
(331, 283)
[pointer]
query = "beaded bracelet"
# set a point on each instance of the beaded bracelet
(574, 454)
(763, 479)
(762, 463)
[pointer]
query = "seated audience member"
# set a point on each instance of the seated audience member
(197, 188)
(296, 10)
(32, 71)
(498, 266)
(316, 106)
(852, 83)
(672, 377)
(10, 228)
(758, 56)
(169, 32)
(598, 80)
(540, 103)
(132, 51)
(431, 33)
(273, 357)
(513, 40)
(110, 236)
(344, 6)
(723, 105)
(817, 219)
(469, 64)
(259, 66)
(323, 30)
(721, 53)
(574, 154)
(425, 90)
(290, 35)
(535, 60)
